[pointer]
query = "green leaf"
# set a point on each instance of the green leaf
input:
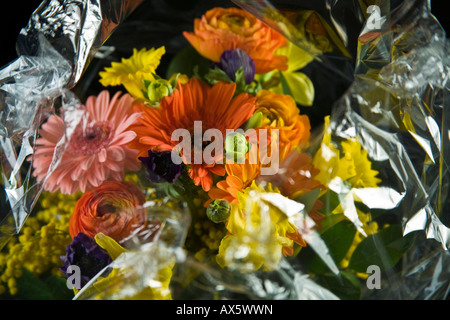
(146, 83)
(185, 61)
(338, 239)
(284, 84)
(31, 287)
(254, 122)
(330, 221)
(300, 86)
(330, 200)
(345, 285)
(58, 288)
(383, 249)
(217, 75)
(309, 199)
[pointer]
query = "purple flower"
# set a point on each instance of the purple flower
(232, 60)
(85, 253)
(159, 167)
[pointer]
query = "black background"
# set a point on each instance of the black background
(15, 15)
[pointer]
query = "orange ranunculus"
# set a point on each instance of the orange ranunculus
(222, 29)
(114, 209)
(280, 112)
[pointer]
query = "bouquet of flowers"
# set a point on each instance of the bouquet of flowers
(226, 166)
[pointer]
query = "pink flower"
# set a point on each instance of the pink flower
(96, 150)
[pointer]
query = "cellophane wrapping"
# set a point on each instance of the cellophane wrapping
(367, 196)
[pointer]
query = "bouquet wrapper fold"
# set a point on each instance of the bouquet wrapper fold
(380, 70)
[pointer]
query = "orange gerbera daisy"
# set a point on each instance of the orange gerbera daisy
(239, 177)
(216, 108)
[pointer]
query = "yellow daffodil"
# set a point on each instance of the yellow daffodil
(259, 229)
(132, 72)
(110, 245)
(125, 280)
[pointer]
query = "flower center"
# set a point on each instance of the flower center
(235, 20)
(91, 139)
(105, 208)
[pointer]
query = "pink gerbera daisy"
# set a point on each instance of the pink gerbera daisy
(96, 149)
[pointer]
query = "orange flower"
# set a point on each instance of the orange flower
(222, 29)
(114, 209)
(214, 106)
(280, 112)
(296, 177)
(239, 177)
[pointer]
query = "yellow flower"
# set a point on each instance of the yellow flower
(110, 245)
(365, 176)
(40, 244)
(350, 163)
(259, 229)
(129, 280)
(132, 72)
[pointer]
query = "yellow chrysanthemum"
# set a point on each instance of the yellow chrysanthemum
(259, 229)
(365, 176)
(350, 164)
(132, 72)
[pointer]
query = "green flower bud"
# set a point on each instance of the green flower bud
(236, 146)
(159, 89)
(218, 211)
(255, 121)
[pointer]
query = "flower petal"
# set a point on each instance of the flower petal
(123, 138)
(102, 155)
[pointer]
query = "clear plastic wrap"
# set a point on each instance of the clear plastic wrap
(368, 197)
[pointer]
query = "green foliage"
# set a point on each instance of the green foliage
(51, 287)
(383, 249)
(309, 199)
(187, 61)
(338, 239)
(346, 285)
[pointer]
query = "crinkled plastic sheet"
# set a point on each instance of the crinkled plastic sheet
(54, 49)
(395, 104)
(397, 108)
